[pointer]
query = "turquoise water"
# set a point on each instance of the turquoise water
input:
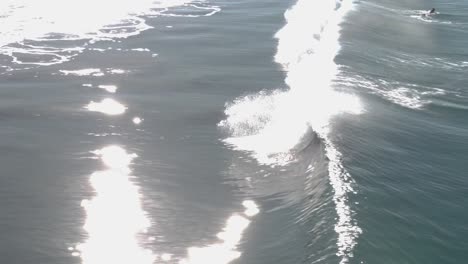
(233, 132)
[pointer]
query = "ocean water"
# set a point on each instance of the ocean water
(215, 131)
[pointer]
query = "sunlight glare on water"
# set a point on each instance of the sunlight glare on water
(225, 251)
(107, 106)
(114, 216)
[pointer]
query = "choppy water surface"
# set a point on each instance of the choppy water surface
(233, 132)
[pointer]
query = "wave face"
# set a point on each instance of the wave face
(272, 125)
(49, 32)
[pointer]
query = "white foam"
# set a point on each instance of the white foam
(270, 126)
(108, 88)
(405, 97)
(97, 49)
(408, 95)
(141, 49)
(93, 72)
(84, 72)
(422, 15)
(211, 11)
(29, 28)
(117, 71)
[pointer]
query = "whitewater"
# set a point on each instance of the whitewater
(51, 32)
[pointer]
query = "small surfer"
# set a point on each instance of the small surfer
(429, 13)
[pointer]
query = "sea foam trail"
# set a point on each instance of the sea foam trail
(270, 126)
(50, 32)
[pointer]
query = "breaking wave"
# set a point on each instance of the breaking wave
(271, 125)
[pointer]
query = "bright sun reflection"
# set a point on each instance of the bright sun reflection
(225, 251)
(137, 120)
(114, 216)
(251, 208)
(107, 106)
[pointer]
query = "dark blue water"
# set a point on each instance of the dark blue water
(231, 132)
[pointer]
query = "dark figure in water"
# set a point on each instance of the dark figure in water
(429, 13)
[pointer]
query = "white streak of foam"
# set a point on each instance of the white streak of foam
(405, 97)
(212, 10)
(84, 72)
(117, 71)
(108, 88)
(408, 95)
(141, 49)
(317, 56)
